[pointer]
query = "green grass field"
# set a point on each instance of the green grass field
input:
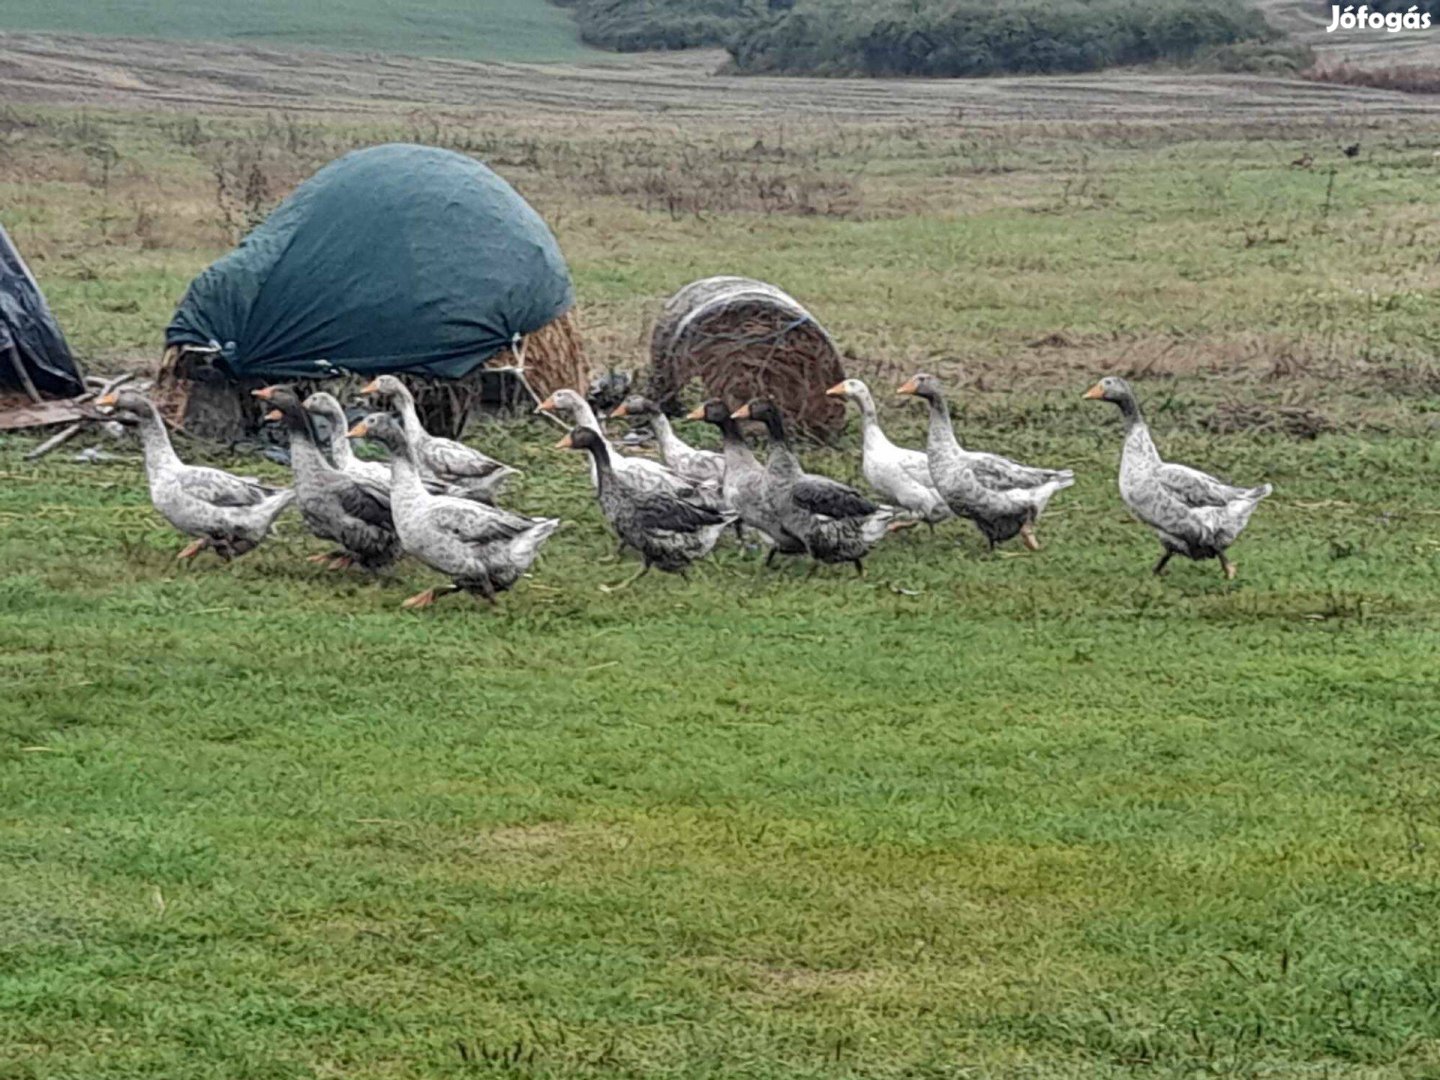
(1031, 815)
(508, 30)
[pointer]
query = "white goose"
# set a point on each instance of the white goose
(447, 460)
(1192, 513)
(900, 476)
(228, 514)
(649, 472)
(688, 462)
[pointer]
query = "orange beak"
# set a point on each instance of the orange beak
(1096, 391)
(742, 413)
(109, 399)
(697, 413)
(565, 443)
(372, 387)
(360, 430)
(264, 394)
(619, 412)
(908, 388)
(838, 390)
(548, 405)
(274, 414)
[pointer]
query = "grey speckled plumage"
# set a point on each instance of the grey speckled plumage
(1193, 514)
(744, 483)
(833, 521)
(227, 513)
(688, 462)
(335, 505)
(644, 471)
(669, 532)
(900, 476)
(484, 489)
(1001, 497)
(483, 550)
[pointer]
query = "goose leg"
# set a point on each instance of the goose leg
(627, 582)
(341, 562)
(194, 548)
(769, 559)
(1027, 534)
(1229, 567)
(1160, 566)
(429, 596)
(859, 568)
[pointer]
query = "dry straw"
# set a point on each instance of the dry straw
(743, 338)
(194, 395)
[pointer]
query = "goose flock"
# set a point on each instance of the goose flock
(436, 499)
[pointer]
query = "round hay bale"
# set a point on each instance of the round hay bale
(743, 338)
(196, 394)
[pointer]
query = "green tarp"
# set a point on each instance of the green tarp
(396, 258)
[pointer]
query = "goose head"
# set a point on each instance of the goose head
(714, 411)
(128, 405)
(326, 407)
(384, 429)
(849, 389)
(284, 405)
(766, 412)
(1111, 388)
(585, 439)
(636, 405)
(386, 390)
(565, 400)
(921, 385)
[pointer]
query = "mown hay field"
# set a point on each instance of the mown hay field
(1034, 815)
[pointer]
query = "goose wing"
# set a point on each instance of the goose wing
(830, 498)
(995, 471)
(220, 488)
(475, 523)
(448, 458)
(1195, 488)
(366, 502)
(659, 511)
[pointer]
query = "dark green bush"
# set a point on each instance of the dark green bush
(949, 38)
(636, 25)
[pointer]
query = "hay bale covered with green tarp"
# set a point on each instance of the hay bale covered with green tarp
(395, 259)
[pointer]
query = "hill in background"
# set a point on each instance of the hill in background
(505, 30)
(948, 38)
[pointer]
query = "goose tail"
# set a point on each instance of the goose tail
(878, 524)
(1046, 491)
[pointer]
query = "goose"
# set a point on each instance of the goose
(833, 521)
(228, 514)
(689, 463)
(482, 549)
(651, 473)
(1002, 497)
(901, 476)
(335, 505)
(449, 461)
(330, 410)
(743, 486)
(1192, 513)
(669, 532)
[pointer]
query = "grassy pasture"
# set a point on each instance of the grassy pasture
(504, 30)
(1031, 815)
